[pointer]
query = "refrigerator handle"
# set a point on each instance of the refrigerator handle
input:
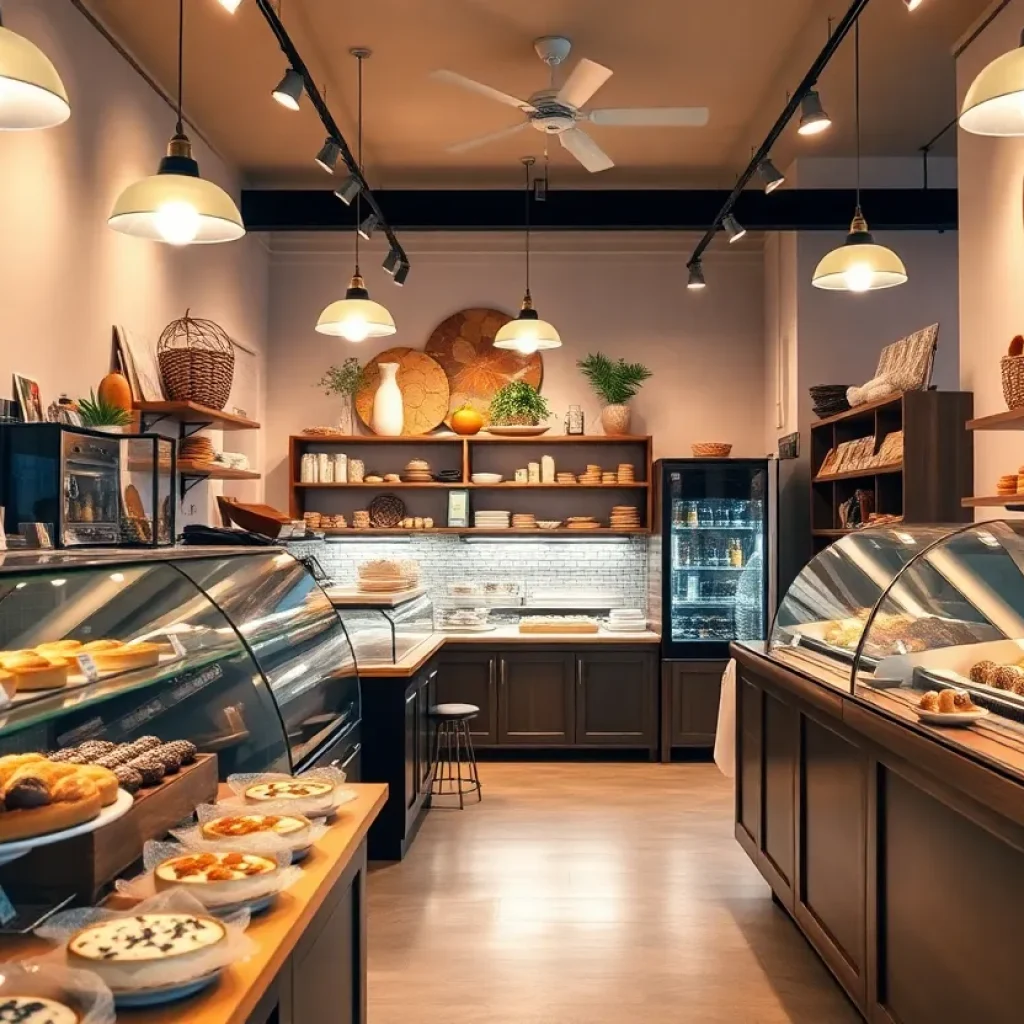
(772, 519)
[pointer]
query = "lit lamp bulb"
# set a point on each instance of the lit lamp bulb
(527, 333)
(859, 278)
(356, 317)
(354, 329)
(177, 222)
(860, 264)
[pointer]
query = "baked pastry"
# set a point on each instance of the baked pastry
(8, 683)
(150, 768)
(218, 874)
(292, 789)
(929, 701)
(982, 671)
(10, 763)
(95, 647)
(1005, 676)
(96, 748)
(185, 749)
(962, 701)
(62, 648)
(234, 826)
(37, 801)
(122, 657)
(106, 781)
(33, 671)
(144, 743)
(128, 778)
(170, 759)
(946, 702)
(36, 1010)
(144, 938)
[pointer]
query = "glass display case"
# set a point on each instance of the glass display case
(925, 621)
(87, 487)
(382, 635)
(250, 661)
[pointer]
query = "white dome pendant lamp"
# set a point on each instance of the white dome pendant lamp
(527, 333)
(357, 317)
(994, 104)
(31, 92)
(860, 264)
(176, 205)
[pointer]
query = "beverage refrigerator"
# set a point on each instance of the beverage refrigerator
(713, 572)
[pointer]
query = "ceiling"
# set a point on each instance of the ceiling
(738, 58)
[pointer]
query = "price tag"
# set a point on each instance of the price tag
(88, 667)
(7, 911)
(179, 647)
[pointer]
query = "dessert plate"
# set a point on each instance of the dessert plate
(165, 993)
(951, 718)
(19, 847)
(515, 431)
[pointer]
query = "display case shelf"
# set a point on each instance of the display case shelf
(860, 474)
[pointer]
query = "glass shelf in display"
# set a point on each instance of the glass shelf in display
(716, 514)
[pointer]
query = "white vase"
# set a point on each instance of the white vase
(388, 416)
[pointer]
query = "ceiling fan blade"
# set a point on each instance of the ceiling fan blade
(651, 117)
(481, 140)
(586, 78)
(483, 90)
(586, 150)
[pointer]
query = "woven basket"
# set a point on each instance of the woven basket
(711, 450)
(197, 362)
(1012, 367)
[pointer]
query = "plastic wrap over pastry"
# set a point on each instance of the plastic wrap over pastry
(218, 879)
(41, 992)
(317, 793)
(233, 827)
(170, 939)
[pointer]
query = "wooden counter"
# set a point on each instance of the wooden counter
(243, 988)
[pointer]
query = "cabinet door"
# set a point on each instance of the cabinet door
(471, 677)
(426, 697)
(535, 698)
(615, 699)
(694, 692)
(411, 768)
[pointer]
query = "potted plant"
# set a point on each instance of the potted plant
(615, 383)
(102, 414)
(518, 404)
(343, 381)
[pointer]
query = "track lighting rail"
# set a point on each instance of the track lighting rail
(806, 86)
(295, 61)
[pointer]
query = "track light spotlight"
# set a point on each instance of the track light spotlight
(401, 274)
(368, 226)
(348, 190)
(328, 156)
(912, 5)
(289, 90)
(696, 281)
(771, 175)
(733, 228)
(230, 5)
(813, 119)
(391, 262)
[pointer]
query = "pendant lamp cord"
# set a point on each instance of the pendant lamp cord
(181, 59)
(526, 220)
(856, 90)
(359, 148)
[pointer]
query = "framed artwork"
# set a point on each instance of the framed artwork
(137, 361)
(458, 508)
(26, 390)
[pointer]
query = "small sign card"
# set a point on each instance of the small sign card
(88, 667)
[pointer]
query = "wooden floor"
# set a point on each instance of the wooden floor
(588, 894)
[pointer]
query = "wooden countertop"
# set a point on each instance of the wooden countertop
(275, 933)
(351, 596)
(423, 652)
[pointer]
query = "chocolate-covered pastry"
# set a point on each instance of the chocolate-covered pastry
(119, 755)
(185, 748)
(962, 701)
(62, 755)
(26, 794)
(144, 743)
(982, 672)
(170, 759)
(128, 778)
(96, 748)
(150, 768)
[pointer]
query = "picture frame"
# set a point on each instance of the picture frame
(137, 361)
(458, 508)
(26, 391)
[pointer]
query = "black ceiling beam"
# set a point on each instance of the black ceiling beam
(603, 210)
(764, 151)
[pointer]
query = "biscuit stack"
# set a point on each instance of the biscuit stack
(625, 473)
(321, 521)
(609, 476)
(196, 448)
(582, 523)
(524, 521)
(1010, 483)
(565, 478)
(625, 517)
(361, 519)
(592, 475)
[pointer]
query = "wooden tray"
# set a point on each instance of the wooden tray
(86, 865)
(588, 627)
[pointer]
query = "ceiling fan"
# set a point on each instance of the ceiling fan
(557, 111)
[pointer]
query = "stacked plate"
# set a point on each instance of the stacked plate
(625, 517)
(625, 474)
(196, 449)
(492, 520)
(387, 576)
(486, 478)
(417, 471)
(627, 620)
(450, 476)
(524, 521)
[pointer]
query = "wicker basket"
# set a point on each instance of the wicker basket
(197, 362)
(711, 450)
(1012, 367)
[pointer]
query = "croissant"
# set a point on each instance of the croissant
(48, 772)
(74, 788)
(12, 762)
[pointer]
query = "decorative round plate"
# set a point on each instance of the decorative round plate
(422, 382)
(952, 718)
(464, 346)
(516, 431)
(386, 511)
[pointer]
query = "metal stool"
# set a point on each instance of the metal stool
(452, 724)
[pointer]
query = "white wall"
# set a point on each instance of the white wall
(621, 294)
(991, 259)
(65, 277)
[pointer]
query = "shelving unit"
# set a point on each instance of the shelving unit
(928, 486)
(479, 453)
(1012, 419)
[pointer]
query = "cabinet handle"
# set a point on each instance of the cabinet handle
(501, 674)
(411, 697)
(579, 674)
(490, 672)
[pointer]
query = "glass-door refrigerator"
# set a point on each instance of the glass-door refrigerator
(717, 527)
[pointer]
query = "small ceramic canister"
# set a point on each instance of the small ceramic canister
(341, 468)
(522, 476)
(534, 473)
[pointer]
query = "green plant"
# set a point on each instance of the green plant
(615, 382)
(342, 380)
(518, 402)
(98, 412)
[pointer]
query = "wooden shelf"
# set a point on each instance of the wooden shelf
(472, 439)
(997, 501)
(192, 412)
(1010, 420)
(212, 472)
(859, 410)
(472, 531)
(834, 534)
(457, 485)
(384, 485)
(853, 474)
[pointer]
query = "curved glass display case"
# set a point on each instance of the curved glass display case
(383, 636)
(253, 663)
(926, 622)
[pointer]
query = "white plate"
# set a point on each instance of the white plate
(953, 718)
(486, 478)
(19, 847)
(516, 431)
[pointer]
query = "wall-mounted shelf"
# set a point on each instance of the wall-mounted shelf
(190, 415)
(1014, 501)
(192, 473)
(859, 474)
(1013, 419)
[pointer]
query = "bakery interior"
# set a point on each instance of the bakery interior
(454, 571)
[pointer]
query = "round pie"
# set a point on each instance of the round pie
(237, 826)
(36, 1010)
(291, 789)
(213, 877)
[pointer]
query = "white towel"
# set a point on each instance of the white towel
(725, 737)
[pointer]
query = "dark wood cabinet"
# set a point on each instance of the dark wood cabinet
(426, 698)
(471, 677)
(410, 788)
(690, 696)
(615, 699)
(535, 698)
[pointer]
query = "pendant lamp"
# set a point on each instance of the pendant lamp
(176, 205)
(357, 317)
(860, 264)
(994, 104)
(527, 333)
(31, 92)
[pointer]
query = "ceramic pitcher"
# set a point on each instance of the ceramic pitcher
(388, 417)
